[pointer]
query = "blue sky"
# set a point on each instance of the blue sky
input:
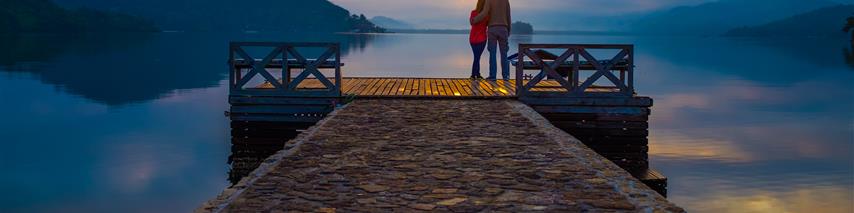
(584, 14)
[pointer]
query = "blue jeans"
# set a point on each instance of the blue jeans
(477, 49)
(497, 36)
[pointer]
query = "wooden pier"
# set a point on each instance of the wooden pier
(585, 96)
(365, 87)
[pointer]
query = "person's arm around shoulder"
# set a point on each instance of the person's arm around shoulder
(482, 14)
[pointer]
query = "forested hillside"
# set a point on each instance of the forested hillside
(230, 15)
(823, 22)
(719, 17)
(44, 16)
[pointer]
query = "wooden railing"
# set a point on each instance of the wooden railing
(575, 58)
(286, 57)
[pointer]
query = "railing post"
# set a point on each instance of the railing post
(520, 70)
(604, 69)
(631, 68)
(575, 69)
(286, 68)
(232, 69)
(338, 77)
(286, 84)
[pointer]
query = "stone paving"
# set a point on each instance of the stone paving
(438, 155)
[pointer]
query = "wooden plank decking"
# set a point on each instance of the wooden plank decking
(428, 87)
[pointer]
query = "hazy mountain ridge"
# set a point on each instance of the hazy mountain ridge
(719, 17)
(227, 15)
(391, 23)
(823, 22)
(44, 16)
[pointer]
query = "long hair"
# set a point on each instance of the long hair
(480, 4)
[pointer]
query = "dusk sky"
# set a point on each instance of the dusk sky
(453, 13)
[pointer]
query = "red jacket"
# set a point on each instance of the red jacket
(478, 31)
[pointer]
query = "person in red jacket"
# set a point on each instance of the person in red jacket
(477, 38)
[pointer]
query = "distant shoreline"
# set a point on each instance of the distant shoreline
(426, 32)
(538, 32)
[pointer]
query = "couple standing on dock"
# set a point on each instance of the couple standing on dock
(490, 29)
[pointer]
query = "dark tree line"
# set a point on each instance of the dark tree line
(44, 16)
(233, 15)
(849, 27)
(849, 53)
(361, 24)
(521, 28)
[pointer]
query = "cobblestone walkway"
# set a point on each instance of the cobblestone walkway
(435, 155)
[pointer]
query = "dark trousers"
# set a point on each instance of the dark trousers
(497, 40)
(477, 49)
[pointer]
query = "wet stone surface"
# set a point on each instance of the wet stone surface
(449, 156)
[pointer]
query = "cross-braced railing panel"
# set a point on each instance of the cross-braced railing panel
(284, 56)
(576, 58)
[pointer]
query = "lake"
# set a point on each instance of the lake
(135, 123)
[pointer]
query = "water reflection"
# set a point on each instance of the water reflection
(796, 199)
(246, 158)
(848, 54)
(64, 153)
(767, 128)
(136, 123)
(124, 69)
(254, 142)
(21, 51)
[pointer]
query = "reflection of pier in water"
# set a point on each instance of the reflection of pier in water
(253, 142)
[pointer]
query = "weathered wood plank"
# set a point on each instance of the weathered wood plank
(281, 109)
(484, 90)
(588, 101)
(370, 89)
(348, 85)
(428, 88)
(470, 85)
(277, 100)
(461, 84)
(593, 110)
(404, 87)
(449, 88)
(378, 88)
(398, 83)
(488, 89)
(306, 119)
(415, 87)
(436, 89)
(389, 87)
(441, 87)
(407, 84)
(543, 93)
(454, 90)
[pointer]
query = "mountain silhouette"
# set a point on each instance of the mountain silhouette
(123, 69)
(44, 16)
(824, 22)
(716, 18)
(391, 23)
(230, 15)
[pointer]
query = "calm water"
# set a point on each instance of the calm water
(135, 123)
